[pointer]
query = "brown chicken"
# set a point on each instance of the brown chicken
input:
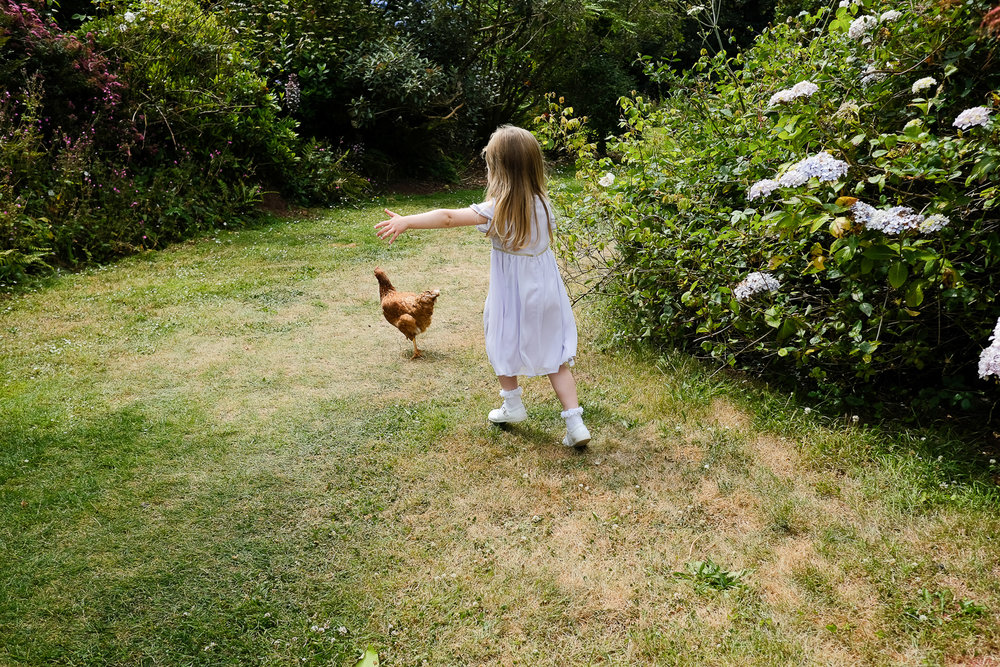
(408, 312)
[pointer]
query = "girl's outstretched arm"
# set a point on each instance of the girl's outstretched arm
(436, 219)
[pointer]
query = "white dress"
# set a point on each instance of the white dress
(528, 319)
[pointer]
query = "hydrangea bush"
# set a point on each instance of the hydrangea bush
(824, 203)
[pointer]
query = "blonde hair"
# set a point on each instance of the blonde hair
(515, 175)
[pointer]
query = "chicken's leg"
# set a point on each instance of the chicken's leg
(416, 352)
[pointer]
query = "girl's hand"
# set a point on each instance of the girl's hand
(391, 228)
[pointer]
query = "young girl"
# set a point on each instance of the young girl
(529, 323)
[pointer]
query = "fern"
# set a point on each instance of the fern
(15, 262)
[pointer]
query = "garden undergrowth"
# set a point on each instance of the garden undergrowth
(222, 454)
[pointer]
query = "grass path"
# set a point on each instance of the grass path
(222, 454)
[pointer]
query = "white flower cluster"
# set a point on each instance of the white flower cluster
(847, 4)
(871, 75)
(823, 166)
(606, 180)
(923, 84)
(972, 117)
(890, 16)
(933, 223)
(861, 26)
(293, 93)
(754, 283)
(897, 219)
(989, 360)
(801, 89)
(763, 188)
(848, 109)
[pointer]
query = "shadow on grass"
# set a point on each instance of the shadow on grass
(540, 438)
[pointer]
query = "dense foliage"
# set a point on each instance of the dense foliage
(150, 126)
(131, 123)
(825, 203)
(411, 81)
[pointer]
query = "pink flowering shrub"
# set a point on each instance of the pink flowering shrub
(871, 201)
(151, 127)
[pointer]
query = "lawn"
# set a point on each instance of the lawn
(222, 454)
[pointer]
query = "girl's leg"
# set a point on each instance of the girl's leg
(564, 385)
(512, 410)
(508, 382)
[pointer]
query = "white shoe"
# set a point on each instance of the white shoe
(578, 437)
(504, 415)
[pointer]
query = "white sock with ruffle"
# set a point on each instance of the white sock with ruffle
(511, 398)
(573, 417)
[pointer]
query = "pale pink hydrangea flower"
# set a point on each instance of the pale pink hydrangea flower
(972, 117)
(989, 359)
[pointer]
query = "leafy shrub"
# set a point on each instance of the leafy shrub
(853, 104)
(322, 175)
(192, 86)
(91, 162)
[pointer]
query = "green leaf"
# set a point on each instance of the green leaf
(788, 328)
(368, 659)
(898, 273)
(880, 252)
(914, 295)
(866, 308)
(983, 168)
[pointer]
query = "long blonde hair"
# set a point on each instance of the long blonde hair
(515, 175)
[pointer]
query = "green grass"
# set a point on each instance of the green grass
(221, 454)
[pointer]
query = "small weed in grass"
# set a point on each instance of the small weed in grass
(709, 575)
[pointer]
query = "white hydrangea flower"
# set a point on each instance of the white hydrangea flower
(871, 75)
(861, 26)
(793, 178)
(755, 283)
(972, 117)
(863, 212)
(823, 166)
(895, 220)
(848, 109)
(762, 188)
(934, 223)
(996, 332)
(890, 16)
(780, 97)
(607, 180)
(989, 361)
(804, 88)
(801, 89)
(923, 84)
(129, 17)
